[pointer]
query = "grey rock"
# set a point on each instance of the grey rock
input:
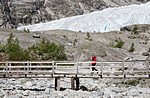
(14, 96)
(26, 93)
(133, 91)
(145, 53)
(100, 94)
(1, 94)
(47, 91)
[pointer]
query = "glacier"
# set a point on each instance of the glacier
(109, 19)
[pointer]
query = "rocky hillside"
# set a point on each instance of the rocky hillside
(22, 12)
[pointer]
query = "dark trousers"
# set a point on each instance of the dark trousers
(93, 68)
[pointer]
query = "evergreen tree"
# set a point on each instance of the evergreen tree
(14, 50)
(132, 48)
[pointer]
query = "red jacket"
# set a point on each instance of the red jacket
(93, 59)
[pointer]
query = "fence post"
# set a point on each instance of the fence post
(6, 67)
(77, 67)
(27, 67)
(123, 69)
(72, 83)
(147, 68)
(53, 68)
(30, 64)
(77, 83)
(57, 83)
(9, 64)
(102, 64)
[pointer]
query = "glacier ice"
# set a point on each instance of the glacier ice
(109, 19)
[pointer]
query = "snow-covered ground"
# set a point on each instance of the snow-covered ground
(100, 21)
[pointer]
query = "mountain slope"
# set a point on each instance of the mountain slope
(22, 12)
(80, 46)
(99, 21)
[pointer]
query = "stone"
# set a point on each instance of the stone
(14, 96)
(47, 91)
(28, 84)
(133, 92)
(100, 94)
(1, 94)
(83, 88)
(145, 54)
(26, 93)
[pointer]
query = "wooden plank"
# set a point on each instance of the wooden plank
(65, 69)
(72, 62)
(64, 73)
(65, 63)
(40, 71)
(137, 76)
(2, 62)
(31, 71)
(113, 76)
(70, 76)
(118, 73)
(143, 71)
(26, 67)
(2, 67)
(24, 62)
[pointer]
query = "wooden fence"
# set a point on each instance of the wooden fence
(52, 69)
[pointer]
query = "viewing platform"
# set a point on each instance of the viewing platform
(74, 70)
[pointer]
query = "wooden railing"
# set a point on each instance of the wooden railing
(50, 69)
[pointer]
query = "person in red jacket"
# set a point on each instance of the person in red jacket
(93, 63)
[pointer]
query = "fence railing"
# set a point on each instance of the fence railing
(71, 68)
